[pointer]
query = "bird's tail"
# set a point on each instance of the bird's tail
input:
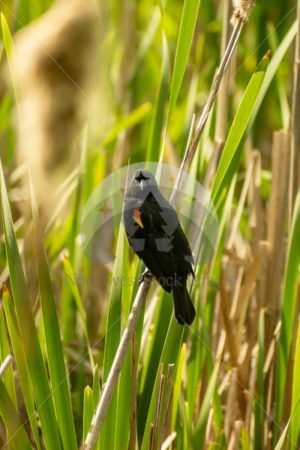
(184, 308)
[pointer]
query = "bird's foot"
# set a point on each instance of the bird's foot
(145, 275)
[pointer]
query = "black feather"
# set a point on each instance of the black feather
(158, 239)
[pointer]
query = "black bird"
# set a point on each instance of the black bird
(155, 235)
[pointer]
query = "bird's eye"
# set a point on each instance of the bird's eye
(141, 177)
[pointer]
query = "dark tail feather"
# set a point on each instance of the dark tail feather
(184, 308)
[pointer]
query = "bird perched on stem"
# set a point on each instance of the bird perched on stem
(155, 235)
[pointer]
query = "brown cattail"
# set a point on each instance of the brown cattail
(242, 9)
(54, 66)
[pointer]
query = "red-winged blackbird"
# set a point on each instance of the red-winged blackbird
(155, 235)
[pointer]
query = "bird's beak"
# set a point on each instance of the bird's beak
(137, 217)
(142, 184)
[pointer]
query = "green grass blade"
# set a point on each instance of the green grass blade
(70, 277)
(272, 68)
(153, 356)
(232, 150)
(259, 411)
(245, 440)
(113, 330)
(27, 329)
(129, 121)
(169, 355)
(8, 378)
(194, 367)
(295, 421)
(289, 302)
(96, 393)
(157, 122)
(187, 435)
(68, 310)
(7, 38)
(200, 430)
(58, 375)
(22, 370)
(123, 404)
(126, 383)
(184, 42)
(9, 47)
(282, 88)
(281, 441)
(88, 410)
(178, 385)
(96, 385)
(18, 438)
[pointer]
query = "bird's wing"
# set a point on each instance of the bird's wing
(159, 265)
(182, 253)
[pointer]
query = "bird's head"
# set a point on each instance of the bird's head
(143, 180)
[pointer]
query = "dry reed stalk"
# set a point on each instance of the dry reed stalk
(261, 284)
(241, 12)
(222, 102)
(274, 263)
(220, 350)
(212, 164)
(241, 204)
(167, 444)
(240, 360)
(257, 215)
(231, 441)
(242, 9)
(238, 426)
(277, 216)
(222, 97)
(269, 373)
(158, 430)
(209, 431)
(231, 340)
(164, 419)
(133, 395)
(233, 349)
(239, 259)
(117, 364)
(245, 294)
(235, 259)
(252, 388)
(295, 124)
(257, 227)
(237, 288)
(269, 406)
(191, 150)
(154, 435)
(232, 412)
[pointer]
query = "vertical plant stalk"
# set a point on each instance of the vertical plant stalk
(5, 365)
(257, 226)
(116, 367)
(275, 246)
(295, 124)
(133, 417)
(191, 150)
(222, 99)
(154, 426)
(276, 228)
(240, 15)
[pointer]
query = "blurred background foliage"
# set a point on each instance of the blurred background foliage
(97, 93)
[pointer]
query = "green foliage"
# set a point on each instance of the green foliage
(63, 311)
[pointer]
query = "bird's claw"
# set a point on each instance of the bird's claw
(145, 275)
